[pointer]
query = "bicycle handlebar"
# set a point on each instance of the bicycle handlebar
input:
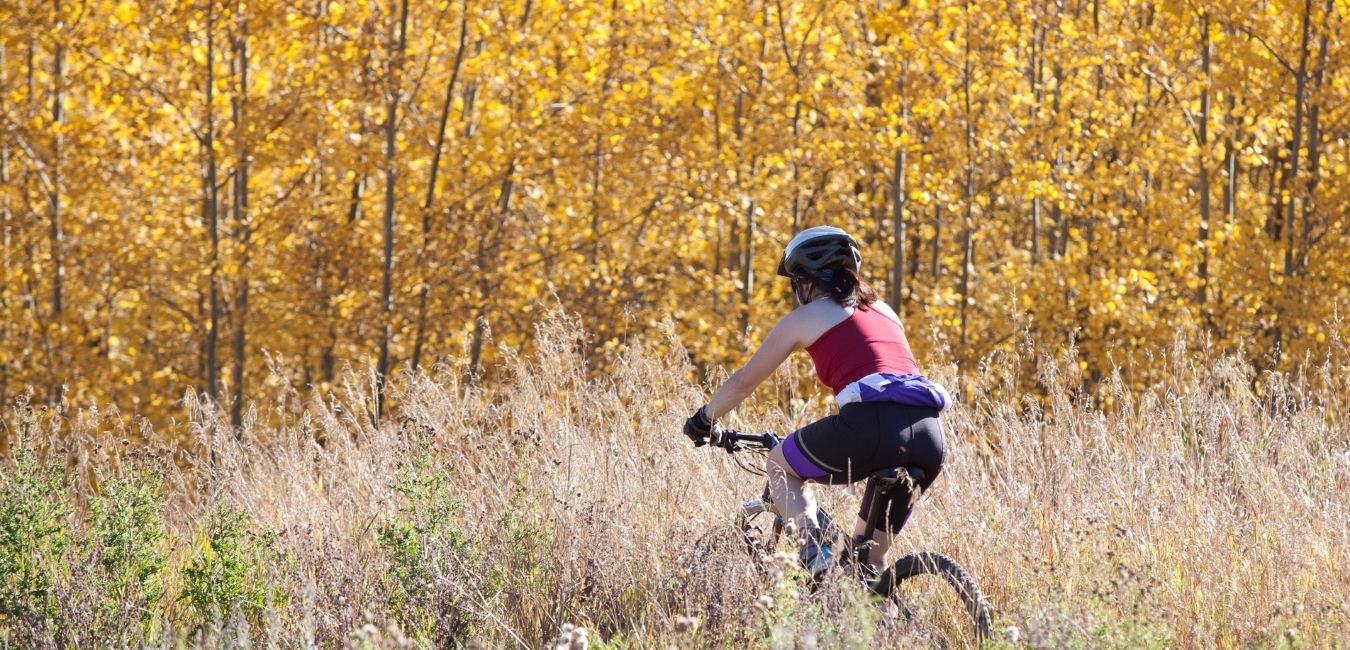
(731, 440)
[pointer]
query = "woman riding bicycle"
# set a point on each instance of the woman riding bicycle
(888, 411)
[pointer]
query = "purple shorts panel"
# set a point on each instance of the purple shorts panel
(798, 461)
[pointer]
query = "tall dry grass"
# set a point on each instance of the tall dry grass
(1208, 512)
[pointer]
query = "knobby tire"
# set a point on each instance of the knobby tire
(937, 564)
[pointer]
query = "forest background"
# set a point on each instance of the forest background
(231, 231)
(191, 192)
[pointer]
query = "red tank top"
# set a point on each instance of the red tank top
(865, 343)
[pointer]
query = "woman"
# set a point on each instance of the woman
(888, 411)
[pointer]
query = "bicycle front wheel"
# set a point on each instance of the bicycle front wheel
(760, 529)
(887, 585)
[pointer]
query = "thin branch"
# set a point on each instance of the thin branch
(782, 36)
(1167, 87)
(39, 165)
(173, 306)
(801, 52)
(1287, 67)
(187, 121)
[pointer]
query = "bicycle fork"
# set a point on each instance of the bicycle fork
(756, 506)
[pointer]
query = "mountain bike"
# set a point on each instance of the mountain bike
(761, 530)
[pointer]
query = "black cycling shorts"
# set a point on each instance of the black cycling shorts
(863, 438)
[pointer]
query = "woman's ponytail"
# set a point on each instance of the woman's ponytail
(844, 286)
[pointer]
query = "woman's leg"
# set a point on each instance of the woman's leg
(881, 543)
(792, 498)
(911, 437)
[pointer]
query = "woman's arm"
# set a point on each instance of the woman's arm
(788, 335)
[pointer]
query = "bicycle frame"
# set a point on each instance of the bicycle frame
(881, 487)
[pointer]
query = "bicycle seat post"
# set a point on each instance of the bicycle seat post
(878, 485)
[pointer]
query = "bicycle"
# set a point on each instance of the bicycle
(892, 483)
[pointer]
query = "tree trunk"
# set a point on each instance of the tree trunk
(1300, 98)
(914, 257)
(1274, 214)
(1036, 73)
(56, 231)
(1314, 142)
(240, 359)
(898, 227)
(597, 178)
(968, 239)
(476, 347)
(1230, 161)
(1035, 230)
(211, 208)
(485, 284)
(390, 180)
(328, 359)
(1202, 160)
(1059, 238)
(1096, 33)
(936, 250)
(241, 219)
(967, 284)
(1300, 105)
(900, 197)
(748, 267)
(796, 171)
(6, 262)
(748, 257)
(419, 338)
(358, 192)
(329, 354)
(734, 250)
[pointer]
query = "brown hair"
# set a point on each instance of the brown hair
(844, 286)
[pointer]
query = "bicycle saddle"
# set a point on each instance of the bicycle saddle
(891, 476)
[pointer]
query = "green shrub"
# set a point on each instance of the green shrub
(129, 543)
(423, 547)
(34, 519)
(517, 566)
(228, 570)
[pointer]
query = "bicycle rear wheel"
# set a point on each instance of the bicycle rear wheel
(936, 564)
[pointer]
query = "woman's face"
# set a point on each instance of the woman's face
(801, 288)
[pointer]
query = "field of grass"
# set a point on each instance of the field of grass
(556, 507)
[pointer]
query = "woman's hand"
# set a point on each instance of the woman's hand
(699, 427)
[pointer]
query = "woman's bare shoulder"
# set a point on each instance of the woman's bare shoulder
(813, 319)
(885, 309)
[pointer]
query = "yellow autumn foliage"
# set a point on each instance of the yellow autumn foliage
(190, 189)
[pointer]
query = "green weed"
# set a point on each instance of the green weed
(34, 533)
(129, 544)
(228, 570)
(424, 547)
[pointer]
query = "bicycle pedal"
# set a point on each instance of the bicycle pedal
(867, 574)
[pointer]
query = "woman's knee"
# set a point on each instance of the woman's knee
(777, 462)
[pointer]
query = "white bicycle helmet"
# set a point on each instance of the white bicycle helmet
(815, 249)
